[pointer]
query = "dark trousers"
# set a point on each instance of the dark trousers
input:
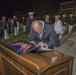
(2, 32)
(57, 41)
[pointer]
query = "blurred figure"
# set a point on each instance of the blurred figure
(29, 21)
(47, 19)
(58, 29)
(12, 22)
(71, 23)
(24, 24)
(16, 26)
(4, 26)
(63, 19)
(9, 26)
(0, 29)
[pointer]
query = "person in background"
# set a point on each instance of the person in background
(9, 26)
(12, 22)
(63, 19)
(29, 21)
(58, 29)
(47, 19)
(42, 34)
(5, 27)
(24, 24)
(16, 26)
(0, 29)
(71, 23)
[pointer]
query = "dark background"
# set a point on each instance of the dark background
(7, 7)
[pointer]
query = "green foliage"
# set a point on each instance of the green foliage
(21, 36)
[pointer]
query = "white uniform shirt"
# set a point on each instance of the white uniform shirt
(58, 27)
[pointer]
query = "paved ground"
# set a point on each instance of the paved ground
(69, 46)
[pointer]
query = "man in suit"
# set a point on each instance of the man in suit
(71, 23)
(29, 21)
(47, 19)
(15, 25)
(4, 27)
(42, 34)
(63, 19)
(24, 24)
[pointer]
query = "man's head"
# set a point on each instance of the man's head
(63, 15)
(14, 17)
(23, 18)
(47, 17)
(3, 17)
(37, 26)
(71, 15)
(57, 17)
(31, 15)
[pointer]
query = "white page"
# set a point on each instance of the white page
(44, 49)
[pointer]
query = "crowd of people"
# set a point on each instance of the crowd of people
(44, 32)
(7, 27)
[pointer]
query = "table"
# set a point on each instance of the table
(38, 63)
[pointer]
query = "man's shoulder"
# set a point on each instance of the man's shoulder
(48, 26)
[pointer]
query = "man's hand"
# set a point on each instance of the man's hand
(34, 43)
(42, 44)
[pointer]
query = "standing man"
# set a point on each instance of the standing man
(29, 21)
(42, 34)
(12, 22)
(15, 25)
(47, 19)
(63, 19)
(71, 23)
(0, 29)
(24, 24)
(9, 26)
(58, 29)
(5, 28)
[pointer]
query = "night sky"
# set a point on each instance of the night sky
(9, 6)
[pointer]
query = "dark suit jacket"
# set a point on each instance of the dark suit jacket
(48, 35)
(49, 22)
(28, 24)
(15, 23)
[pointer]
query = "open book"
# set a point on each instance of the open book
(21, 47)
(44, 49)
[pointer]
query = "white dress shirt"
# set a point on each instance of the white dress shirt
(41, 34)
